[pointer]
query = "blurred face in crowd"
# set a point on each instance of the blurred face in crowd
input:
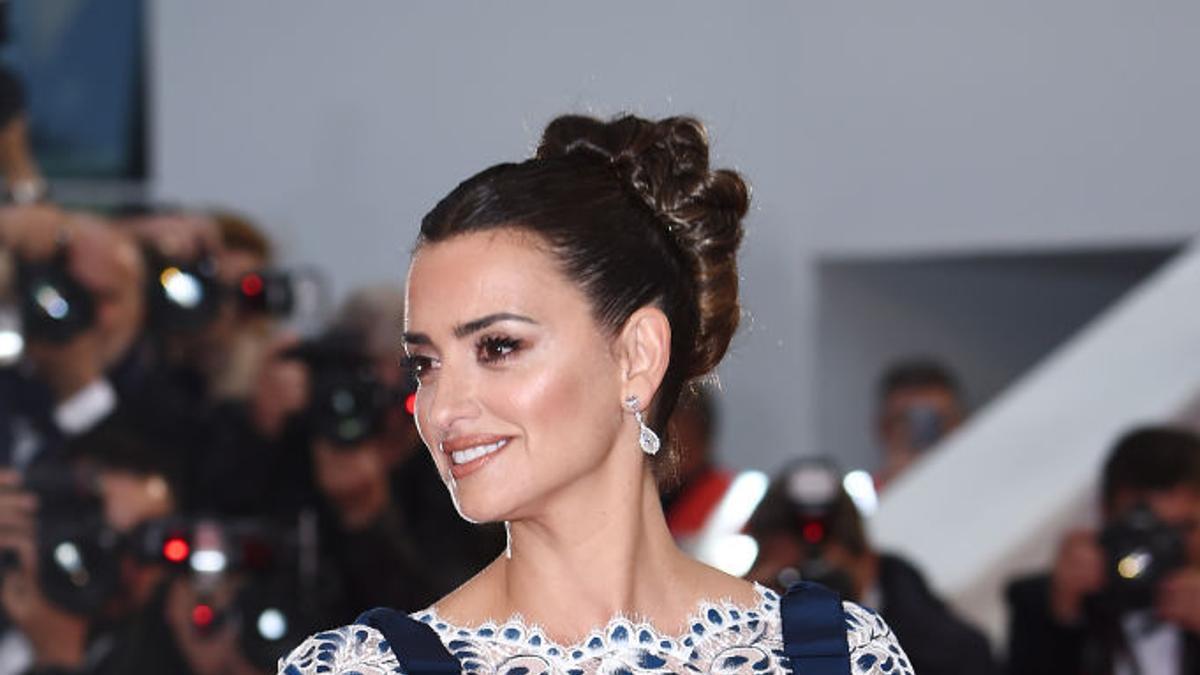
(109, 264)
(912, 418)
(520, 390)
(1178, 506)
(229, 348)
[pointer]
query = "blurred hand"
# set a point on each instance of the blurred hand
(1078, 573)
(354, 480)
(58, 638)
(281, 388)
(1179, 600)
(31, 230)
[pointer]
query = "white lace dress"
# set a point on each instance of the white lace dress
(723, 638)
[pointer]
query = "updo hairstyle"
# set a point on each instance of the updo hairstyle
(635, 216)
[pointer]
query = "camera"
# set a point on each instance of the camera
(54, 307)
(272, 566)
(812, 489)
(77, 553)
(183, 297)
(347, 402)
(1140, 550)
(925, 427)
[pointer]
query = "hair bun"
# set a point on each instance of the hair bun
(666, 163)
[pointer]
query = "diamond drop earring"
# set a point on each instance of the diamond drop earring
(647, 439)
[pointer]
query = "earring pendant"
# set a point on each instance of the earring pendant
(647, 439)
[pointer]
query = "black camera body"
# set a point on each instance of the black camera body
(77, 553)
(270, 292)
(54, 306)
(1139, 551)
(274, 568)
(812, 489)
(182, 297)
(347, 402)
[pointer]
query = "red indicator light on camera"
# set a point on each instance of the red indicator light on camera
(252, 284)
(813, 532)
(202, 616)
(176, 549)
(410, 404)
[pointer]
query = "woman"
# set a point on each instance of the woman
(556, 309)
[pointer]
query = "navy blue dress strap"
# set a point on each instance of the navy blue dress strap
(416, 646)
(814, 630)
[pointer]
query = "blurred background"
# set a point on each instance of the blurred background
(967, 276)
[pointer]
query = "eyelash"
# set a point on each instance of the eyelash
(496, 348)
(490, 349)
(418, 365)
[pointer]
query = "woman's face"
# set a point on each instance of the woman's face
(520, 388)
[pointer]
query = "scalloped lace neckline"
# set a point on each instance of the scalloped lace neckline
(708, 614)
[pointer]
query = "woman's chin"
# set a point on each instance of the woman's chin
(479, 509)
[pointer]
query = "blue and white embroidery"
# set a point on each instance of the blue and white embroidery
(721, 638)
(349, 649)
(873, 647)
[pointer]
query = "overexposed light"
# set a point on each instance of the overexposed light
(11, 346)
(52, 302)
(861, 488)
(272, 624)
(209, 561)
(66, 554)
(739, 502)
(812, 484)
(1133, 565)
(183, 288)
(732, 554)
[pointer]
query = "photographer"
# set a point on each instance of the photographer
(74, 582)
(1126, 599)
(79, 283)
(808, 528)
(920, 403)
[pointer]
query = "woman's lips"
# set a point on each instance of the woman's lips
(470, 453)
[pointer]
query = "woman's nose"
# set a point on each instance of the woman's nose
(449, 401)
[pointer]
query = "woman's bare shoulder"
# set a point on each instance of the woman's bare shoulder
(713, 584)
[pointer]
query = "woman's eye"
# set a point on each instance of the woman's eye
(419, 366)
(494, 349)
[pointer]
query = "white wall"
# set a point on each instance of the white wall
(888, 128)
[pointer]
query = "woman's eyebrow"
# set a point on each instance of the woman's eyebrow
(463, 330)
(415, 339)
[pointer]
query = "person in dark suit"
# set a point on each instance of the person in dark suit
(807, 527)
(1081, 618)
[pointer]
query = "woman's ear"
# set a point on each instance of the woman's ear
(644, 351)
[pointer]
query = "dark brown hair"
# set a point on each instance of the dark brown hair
(1151, 459)
(634, 215)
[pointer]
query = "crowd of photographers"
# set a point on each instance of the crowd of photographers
(185, 487)
(1120, 600)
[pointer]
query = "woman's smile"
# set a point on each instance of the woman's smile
(468, 454)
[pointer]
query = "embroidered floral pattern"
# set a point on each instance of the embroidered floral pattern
(722, 638)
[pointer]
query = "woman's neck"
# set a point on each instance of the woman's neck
(588, 559)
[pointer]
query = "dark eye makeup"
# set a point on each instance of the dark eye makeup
(496, 348)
